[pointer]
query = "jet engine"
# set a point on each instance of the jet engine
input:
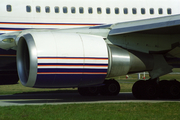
(53, 59)
(50, 59)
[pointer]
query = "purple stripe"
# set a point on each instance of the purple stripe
(23, 28)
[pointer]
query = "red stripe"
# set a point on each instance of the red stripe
(9, 30)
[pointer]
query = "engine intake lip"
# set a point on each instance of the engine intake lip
(27, 60)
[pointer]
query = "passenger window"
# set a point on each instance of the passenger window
(160, 11)
(99, 10)
(73, 10)
(169, 11)
(90, 10)
(28, 8)
(38, 9)
(143, 11)
(116, 10)
(56, 9)
(81, 10)
(151, 10)
(125, 11)
(65, 10)
(108, 11)
(47, 9)
(9, 8)
(134, 11)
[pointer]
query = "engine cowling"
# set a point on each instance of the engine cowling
(50, 59)
(53, 59)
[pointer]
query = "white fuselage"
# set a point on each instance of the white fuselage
(25, 14)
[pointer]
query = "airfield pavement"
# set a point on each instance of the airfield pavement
(68, 98)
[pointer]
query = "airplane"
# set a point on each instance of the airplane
(89, 43)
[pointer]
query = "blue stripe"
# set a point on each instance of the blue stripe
(14, 28)
(23, 28)
(70, 70)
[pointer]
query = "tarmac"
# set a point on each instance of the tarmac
(69, 98)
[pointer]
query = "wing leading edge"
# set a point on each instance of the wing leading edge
(158, 25)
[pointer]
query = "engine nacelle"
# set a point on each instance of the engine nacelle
(50, 59)
(53, 59)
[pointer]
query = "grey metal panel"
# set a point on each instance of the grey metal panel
(119, 61)
(123, 62)
(147, 24)
(27, 60)
(101, 26)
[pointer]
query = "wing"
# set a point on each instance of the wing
(161, 25)
(157, 35)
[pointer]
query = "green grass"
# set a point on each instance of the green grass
(19, 88)
(105, 111)
(176, 70)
